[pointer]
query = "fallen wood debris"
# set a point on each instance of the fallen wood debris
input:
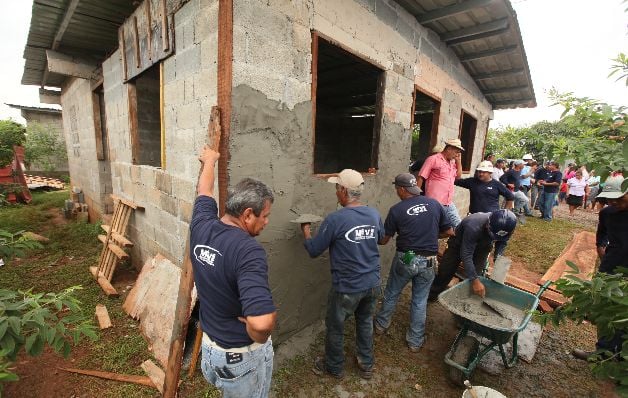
(155, 373)
(135, 379)
(103, 317)
(34, 236)
(35, 182)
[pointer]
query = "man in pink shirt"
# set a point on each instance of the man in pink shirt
(439, 172)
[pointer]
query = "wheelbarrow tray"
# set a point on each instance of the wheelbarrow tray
(464, 305)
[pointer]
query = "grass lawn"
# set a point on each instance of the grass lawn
(64, 262)
(537, 243)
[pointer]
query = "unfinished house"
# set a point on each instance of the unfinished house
(305, 88)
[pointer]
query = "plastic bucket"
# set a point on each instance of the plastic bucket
(483, 392)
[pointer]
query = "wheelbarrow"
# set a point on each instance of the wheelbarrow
(498, 318)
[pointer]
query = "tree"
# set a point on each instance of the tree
(44, 146)
(11, 133)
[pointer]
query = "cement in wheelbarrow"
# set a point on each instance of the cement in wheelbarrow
(472, 307)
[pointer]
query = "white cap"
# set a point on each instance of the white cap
(485, 165)
(348, 178)
(527, 156)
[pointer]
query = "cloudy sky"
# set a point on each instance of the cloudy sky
(569, 44)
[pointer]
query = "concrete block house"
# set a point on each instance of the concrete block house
(305, 89)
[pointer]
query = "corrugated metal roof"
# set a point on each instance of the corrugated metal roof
(485, 36)
(92, 32)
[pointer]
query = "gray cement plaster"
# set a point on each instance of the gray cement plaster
(273, 143)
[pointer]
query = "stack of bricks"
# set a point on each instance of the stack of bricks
(75, 207)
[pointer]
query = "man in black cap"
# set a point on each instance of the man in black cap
(472, 244)
(418, 221)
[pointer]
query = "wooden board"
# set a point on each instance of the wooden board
(142, 380)
(553, 298)
(155, 373)
(107, 287)
(581, 251)
(103, 317)
(152, 300)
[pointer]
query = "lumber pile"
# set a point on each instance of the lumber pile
(35, 182)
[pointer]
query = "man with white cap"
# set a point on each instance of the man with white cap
(440, 171)
(512, 179)
(484, 190)
(351, 234)
(418, 221)
(612, 247)
(527, 172)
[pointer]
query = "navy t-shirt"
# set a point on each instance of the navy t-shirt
(513, 177)
(540, 173)
(484, 196)
(612, 233)
(351, 234)
(231, 275)
(552, 176)
(418, 221)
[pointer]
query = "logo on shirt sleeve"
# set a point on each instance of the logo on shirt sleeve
(360, 233)
(417, 209)
(206, 254)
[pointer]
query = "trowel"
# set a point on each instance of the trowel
(307, 218)
(494, 306)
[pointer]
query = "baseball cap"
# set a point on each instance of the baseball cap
(455, 142)
(485, 165)
(612, 189)
(527, 156)
(348, 178)
(501, 224)
(408, 181)
(518, 162)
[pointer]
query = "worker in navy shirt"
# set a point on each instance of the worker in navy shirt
(484, 190)
(512, 180)
(550, 183)
(417, 221)
(237, 313)
(351, 234)
(472, 244)
(612, 249)
(537, 189)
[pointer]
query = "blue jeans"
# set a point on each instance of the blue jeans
(521, 203)
(340, 307)
(452, 214)
(421, 273)
(546, 205)
(249, 377)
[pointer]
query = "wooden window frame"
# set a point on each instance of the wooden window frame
(435, 120)
(468, 149)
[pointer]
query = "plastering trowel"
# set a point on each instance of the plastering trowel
(307, 218)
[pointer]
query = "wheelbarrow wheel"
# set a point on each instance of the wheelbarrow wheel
(465, 353)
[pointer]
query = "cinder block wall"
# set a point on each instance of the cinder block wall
(189, 93)
(86, 171)
(272, 135)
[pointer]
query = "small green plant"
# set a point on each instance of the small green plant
(31, 321)
(15, 245)
(603, 301)
(11, 133)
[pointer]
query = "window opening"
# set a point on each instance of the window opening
(347, 110)
(146, 140)
(468, 126)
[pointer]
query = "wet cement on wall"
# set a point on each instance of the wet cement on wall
(274, 144)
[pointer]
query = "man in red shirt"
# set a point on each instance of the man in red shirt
(439, 173)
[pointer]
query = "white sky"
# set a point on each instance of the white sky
(569, 44)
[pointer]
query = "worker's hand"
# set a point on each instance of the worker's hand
(208, 155)
(305, 228)
(511, 186)
(478, 288)
(458, 157)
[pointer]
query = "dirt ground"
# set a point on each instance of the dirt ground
(399, 373)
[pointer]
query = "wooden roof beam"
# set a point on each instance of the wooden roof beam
(49, 96)
(488, 53)
(505, 90)
(56, 42)
(63, 64)
(487, 29)
(523, 101)
(451, 10)
(501, 73)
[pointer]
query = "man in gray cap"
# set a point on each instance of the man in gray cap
(351, 234)
(612, 247)
(418, 221)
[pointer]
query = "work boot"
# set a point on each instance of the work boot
(582, 354)
(365, 373)
(320, 369)
(378, 329)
